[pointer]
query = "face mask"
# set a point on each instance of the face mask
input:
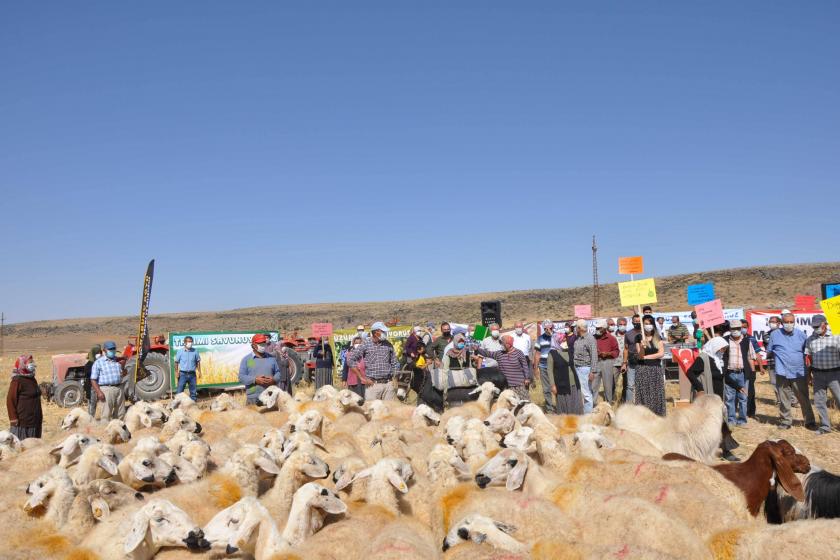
(446, 334)
(735, 334)
(30, 367)
(774, 326)
(568, 330)
(788, 327)
(494, 334)
(111, 353)
(356, 345)
(622, 328)
(743, 331)
(675, 324)
(612, 328)
(637, 326)
(98, 355)
(460, 346)
(188, 345)
(518, 331)
(648, 328)
(261, 348)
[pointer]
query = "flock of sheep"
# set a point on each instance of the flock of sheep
(331, 476)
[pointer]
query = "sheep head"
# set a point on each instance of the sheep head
(478, 529)
(270, 397)
(501, 422)
(160, 523)
(325, 393)
(308, 464)
(591, 442)
(309, 504)
(519, 439)
(45, 487)
(75, 417)
(508, 466)
(222, 402)
(72, 447)
(396, 471)
(530, 413)
(181, 401)
(508, 399)
(425, 415)
(348, 399)
(117, 431)
(344, 474)
(185, 471)
(486, 391)
(8, 439)
(179, 420)
(142, 468)
(220, 530)
(309, 422)
(104, 496)
(444, 458)
(454, 430)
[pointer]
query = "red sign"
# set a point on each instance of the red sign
(805, 303)
(710, 314)
(320, 330)
(630, 265)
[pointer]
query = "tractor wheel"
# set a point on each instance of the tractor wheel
(296, 367)
(156, 384)
(69, 394)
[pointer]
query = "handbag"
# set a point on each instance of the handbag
(445, 379)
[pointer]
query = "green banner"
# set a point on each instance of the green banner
(220, 351)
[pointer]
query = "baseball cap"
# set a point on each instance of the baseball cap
(547, 323)
(258, 338)
(817, 320)
(110, 345)
(601, 324)
(734, 323)
(379, 326)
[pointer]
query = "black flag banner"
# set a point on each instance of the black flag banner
(143, 333)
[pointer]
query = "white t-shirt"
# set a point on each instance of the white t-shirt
(491, 344)
(522, 342)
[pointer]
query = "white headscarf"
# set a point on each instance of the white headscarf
(712, 348)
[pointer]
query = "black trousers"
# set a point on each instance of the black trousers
(751, 397)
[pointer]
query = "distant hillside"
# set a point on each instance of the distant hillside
(758, 287)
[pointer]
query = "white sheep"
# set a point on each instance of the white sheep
(71, 448)
(116, 431)
(479, 408)
(325, 393)
(248, 466)
(77, 418)
(180, 439)
(508, 400)
(693, 431)
(53, 491)
(446, 467)
(142, 468)
(813, 538)
(197, 452)
(94, 502)
(386, 476)
(181, 401)
(143, 415)
(299, 468)
(140, 534)
(10, 445)
(275, 397)
(501, 421)
(481, 529)
(96, 461)
(521, 439)
(223, 402)
(478, 443)
(178, 420)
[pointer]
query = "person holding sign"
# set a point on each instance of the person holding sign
(650, 380)
(823, 351)
(323, 355)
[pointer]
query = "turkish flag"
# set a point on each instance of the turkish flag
(684, 357)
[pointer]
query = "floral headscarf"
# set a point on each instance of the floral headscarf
(454, 352)
(20, 366)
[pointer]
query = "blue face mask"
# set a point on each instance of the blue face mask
(111, 353)
(743, 331)
(460, 346)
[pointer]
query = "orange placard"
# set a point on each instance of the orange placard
(630, 265)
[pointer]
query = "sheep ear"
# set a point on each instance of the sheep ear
(460, 466)
(146, 420)
(137, 533)
(99, 507)
(319, 442)
(107, 465)
(517, 475)
(72, 462)
(289, 449)
(266, 465)
(57, 449)
(343, 481)
(475, 391)
(605, 442)
(785, 475)
(35, 500)
(397, 482)
(364, 473)
(334, 506)
(504, 527)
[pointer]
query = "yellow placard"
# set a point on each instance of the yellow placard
(831, 308)
(638, 292)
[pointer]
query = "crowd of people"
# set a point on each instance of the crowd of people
(619, 362)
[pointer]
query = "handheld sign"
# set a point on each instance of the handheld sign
(583, 311)
(480, 332)
(320, 330)
(710, 314)
(700, 293)
(831, 308)
(830, 290)
(630, 265)
(637, 292)
(804, 302)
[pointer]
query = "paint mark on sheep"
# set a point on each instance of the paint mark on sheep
(452, 500)
(723, 544)
(663, 493)
(224, 490)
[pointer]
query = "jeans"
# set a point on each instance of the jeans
(550, 402)
(583, 379)
(184, 378)
(825, 381)
(735, 399)
(630, 385)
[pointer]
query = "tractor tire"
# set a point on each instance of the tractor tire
(296, 367)
(69, 393)
(156, 384)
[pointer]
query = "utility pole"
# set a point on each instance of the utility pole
(2, 335)
(595, 302)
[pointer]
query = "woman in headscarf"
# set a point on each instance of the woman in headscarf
(566, 386)
(94, 354)
(456, 355)
(351, 381)
(23, 401)
(323, 355)
(650, 381)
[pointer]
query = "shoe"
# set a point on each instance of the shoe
(823, 431)
(729, 457)
(785, 426)
(742, 423)
(811, 426)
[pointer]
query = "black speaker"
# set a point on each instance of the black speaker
(491, 312)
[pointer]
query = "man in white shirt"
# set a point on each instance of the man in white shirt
(522, 341)
(492, 342)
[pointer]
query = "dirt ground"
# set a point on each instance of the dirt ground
(823, 451)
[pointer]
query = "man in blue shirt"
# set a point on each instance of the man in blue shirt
(188, 367)
(259, 370)
(788, 348)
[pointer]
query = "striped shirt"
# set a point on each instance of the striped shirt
(106, 372)
(824, 351)
(380, 359)
(513, 365)
(736, 360)
(543, 346)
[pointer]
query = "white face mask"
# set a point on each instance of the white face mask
(612, 328)
(736, 333)
(358, 344)
(261, 348)
(568, 330)
(622, 328)
(188, 345)
(30, 367)
(518, 331)
(774, 326)
(494, 334)
(788, 327)
(648, 328)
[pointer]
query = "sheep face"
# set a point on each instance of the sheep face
(161, 523)
(44, 487)
(309, 422)
(107, 458)
(220, 530)
(151, 444)
(454, 431)
(478, 529)
(185, 471)
(445, 456)
(221, 403)
(269, 397)
(178, 420)
(348, 398)
(528, 412)
(273, 441)
(485, 390)
(425, 412)
(312, 466)
(72, 418)
(149, 414)
(140, 469)
(396, 471)
(104, 496)
(501, 422)
(508, 399)
(181, 401)
(72, 447)
(591, 442)
(346, 472)
(507, 467)
(117, 431)
(325, 393)
(8, 439)
(316, 496)
(519, 439)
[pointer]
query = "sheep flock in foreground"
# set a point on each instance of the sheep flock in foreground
(329, 476)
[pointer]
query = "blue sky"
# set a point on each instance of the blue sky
(288, 152)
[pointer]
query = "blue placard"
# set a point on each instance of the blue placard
(830, 290)
(700, 293)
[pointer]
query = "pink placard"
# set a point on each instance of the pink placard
(709, 314)
(322, 329)
(583, 311)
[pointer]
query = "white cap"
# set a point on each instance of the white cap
(601, 324)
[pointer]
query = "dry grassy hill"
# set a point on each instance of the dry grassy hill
(758, 287)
